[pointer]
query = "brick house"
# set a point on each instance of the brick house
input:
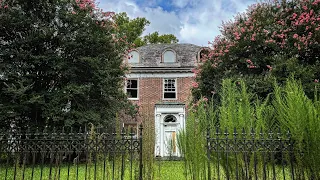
(160, 82)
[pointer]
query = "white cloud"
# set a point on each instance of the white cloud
(192, 21)
(180, 3)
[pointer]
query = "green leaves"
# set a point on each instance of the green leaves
(132, 29)
(60, 64)
(278, 38)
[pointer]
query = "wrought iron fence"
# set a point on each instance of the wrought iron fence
(249, 155)
(68, 154)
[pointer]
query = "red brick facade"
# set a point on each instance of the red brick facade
(151, 92)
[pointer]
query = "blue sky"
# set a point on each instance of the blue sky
(191, 21)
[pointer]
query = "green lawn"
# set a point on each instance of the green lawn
(162, 170)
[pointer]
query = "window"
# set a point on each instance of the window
(203, 54)
(133, 57)
(170, 118)
(132, 88)
(169, 89)
(169, 56)
(130, 127)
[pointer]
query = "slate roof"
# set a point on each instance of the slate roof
(150, 56)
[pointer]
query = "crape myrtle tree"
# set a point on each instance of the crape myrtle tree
(270, 40)
(60, 63)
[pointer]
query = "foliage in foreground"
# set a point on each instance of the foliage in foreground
(287, 108)
(60, 64)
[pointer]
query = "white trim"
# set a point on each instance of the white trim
(161, 110)
(159, 75)
(125, 88)
(176, 89)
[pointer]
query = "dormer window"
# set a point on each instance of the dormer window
(133, 57)
(203, 54)
(169, 56)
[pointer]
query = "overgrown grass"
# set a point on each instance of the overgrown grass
(162, 170)
(301, 115)
(287, 108)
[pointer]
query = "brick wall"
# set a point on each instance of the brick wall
(151, 92)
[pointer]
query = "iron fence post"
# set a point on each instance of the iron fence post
(208, 153)
(140, 153)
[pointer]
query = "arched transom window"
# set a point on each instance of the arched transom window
(170, 118)
(169, 56)
(133, 57)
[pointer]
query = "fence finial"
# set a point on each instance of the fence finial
(123, 131)
(235, 133)
(261, 132)
(243, 132)
(226, 133)
(252, 133)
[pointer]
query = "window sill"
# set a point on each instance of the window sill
(133, 98)
(167, 99)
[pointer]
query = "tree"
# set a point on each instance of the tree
(132, 29)
(270, 40)
(60, 63)
(155, 38)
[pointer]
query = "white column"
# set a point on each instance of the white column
(182, 121)
(161, 137)
(157, 135)
(180, 128)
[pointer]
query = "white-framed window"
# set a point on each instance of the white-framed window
(133, 57)
(204, 52)
(131, 127)
(169, 88)
(170, 119)
(169, 56)
(132, 88)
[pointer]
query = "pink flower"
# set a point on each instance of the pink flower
(249, 61)
(269, 67)
(316, 80)
(305, 7)
(294, 15)
(205, 99)
(295, 36)
(195, 84)
(252, 66)
(73, 12)
(6, 6)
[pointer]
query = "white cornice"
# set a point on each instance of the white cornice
(159, 75)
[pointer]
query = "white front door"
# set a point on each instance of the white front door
(169, 121)
(170, 140)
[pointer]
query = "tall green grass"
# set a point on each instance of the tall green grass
(286, 108)
(301, 115)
